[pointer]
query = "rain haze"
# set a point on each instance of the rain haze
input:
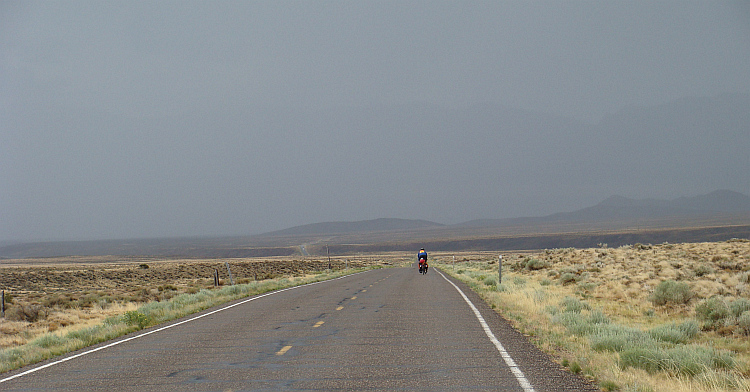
(165, 119)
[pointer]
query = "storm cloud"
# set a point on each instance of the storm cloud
(188, 118)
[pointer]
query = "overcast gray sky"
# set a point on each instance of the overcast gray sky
(142, 119)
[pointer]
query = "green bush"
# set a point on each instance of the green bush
(669, 291)
(88, 336)
(712, 311)
(572, 304)
(617, 338)
(598, 317)
(739, 306)
(134, 317)
(48, 340)
(680, 360)
(744, 321)
(673, 333)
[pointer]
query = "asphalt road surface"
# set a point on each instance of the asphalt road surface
(389, 329)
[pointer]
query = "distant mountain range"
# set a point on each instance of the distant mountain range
(615, 209)
(619, 209)
(716, 216)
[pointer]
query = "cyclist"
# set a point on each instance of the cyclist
(422, 257)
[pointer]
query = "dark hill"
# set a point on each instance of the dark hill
(327, 228)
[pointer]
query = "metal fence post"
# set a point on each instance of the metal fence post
(500, 269)
(231, 279)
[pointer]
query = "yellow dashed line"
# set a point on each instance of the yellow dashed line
(318, 324)
(340, 307)
(364, 290)
(355, 297)
(283, 350)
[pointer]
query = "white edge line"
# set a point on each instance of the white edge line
(522, 380)
(167, 327)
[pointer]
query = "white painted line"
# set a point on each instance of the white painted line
(525, 384)
(167, 327)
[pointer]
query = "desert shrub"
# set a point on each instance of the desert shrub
(587, 286)
(609, 385)
(519, 281)
(598, 317)
(545, 282)
(540, 296)
(490, 281)
(48, 340)
(90, 335)
(744, 321)
(702, 270)
(680, 360)
(137, 318)
(674, 333)
(61, 301)
(87, 300)
(10, 355)
(567, 277)
(534, 264)
(192, 290)
(617, 338)
(576, 324)
(669, 291)
(143, 266)
(739, 306)
(572, 304)
(712, 311)
(26, 312)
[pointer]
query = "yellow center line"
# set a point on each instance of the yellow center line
(355, 297)
(283, 350)
(318, 324)
(340, 307)
(364, 290)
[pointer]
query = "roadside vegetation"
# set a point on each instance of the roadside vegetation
(42, 324)
(640, 318)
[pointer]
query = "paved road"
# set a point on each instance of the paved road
(389, 329)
